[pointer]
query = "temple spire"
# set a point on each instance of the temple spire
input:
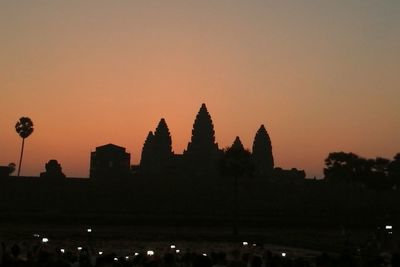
(237, 144)
(147, 151)
(203, 135)
(262, 152)
(202, 153)
(157, 151)
(162, 140)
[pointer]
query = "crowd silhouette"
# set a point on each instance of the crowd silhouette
(41, 254)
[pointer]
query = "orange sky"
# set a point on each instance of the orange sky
(321, 75)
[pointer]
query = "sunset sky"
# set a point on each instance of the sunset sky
(322, 76)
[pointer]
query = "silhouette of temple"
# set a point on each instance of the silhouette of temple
(157, 154)
(237, 144)
(109, 161)
(146, 160)
(202, 153)
(262, 153)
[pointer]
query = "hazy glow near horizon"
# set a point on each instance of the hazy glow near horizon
(321, 75)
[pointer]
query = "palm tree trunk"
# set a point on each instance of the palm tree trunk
(22, 153)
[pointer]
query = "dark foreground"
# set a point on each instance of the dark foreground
(197, 215)
(331, 240)
(129, 245)
(56, 248)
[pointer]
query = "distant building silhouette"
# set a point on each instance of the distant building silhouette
(262, 153)
(162, 147)
(202, 152)
(109, 161)
(53, 170)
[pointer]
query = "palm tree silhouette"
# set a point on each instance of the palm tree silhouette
(24, 127)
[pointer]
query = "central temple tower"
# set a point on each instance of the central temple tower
(202, 152)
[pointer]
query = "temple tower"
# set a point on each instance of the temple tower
(157, 151)
(146, 160)
(202, 152)
(262, 153)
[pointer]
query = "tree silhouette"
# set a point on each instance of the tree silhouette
(236, 163)
(11, 167)
(53, 170)
(262, 152)
(394, 171)
(342, 166)
(24, 127)
(237, 160)
(378, 173)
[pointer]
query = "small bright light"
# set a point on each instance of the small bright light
(136, 253)
(283, 254)
(172, 246)
(254, 245)
(45, 240)
(79, 248)
(177, 251)
(245, 243)
(36, 235)
(150, 252)
(100, 252)
(115, 259)
(390, 233)
(389, 227)
(127, 257)
(204, 254)
(89, 230)
(62, 250)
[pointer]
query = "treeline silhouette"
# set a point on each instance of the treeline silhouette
(378, 173)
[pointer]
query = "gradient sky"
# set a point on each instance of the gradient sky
(322, 76)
